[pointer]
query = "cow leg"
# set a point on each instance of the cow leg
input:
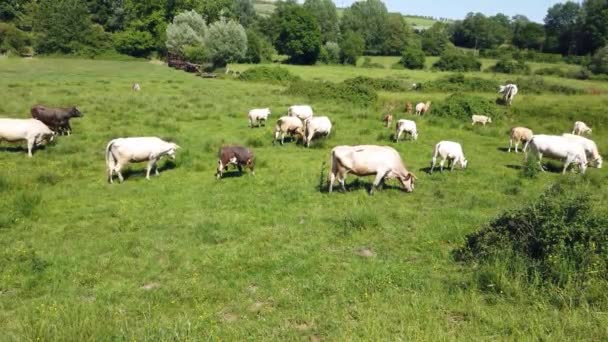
(452, 164)
(69, 128)
(433, 164)
(238, 166)
(117, 169)
(567, 163)
(156, 169)
(282, 138)
(30, 146)
(149, 168)
(379, 177)
(540, 163)
(110, 174)
(330, 181)
(441, 163)
(398, 136)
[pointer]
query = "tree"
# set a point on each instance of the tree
(330, 53)
(594, 25)
(188, 29)
(412, 56)
(297, 33)
(480, 32)
(456, 60)
(351, 47)
(327, 16)
(259, 49)
(226, 42)
(529, 36)
(435, 39)
(369, 18)
(599, 62)
(12, 39)
(398, 32)
(562, 27)
(134, 43)
(244, 12)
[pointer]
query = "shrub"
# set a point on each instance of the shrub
(330, 53)
(367, 63)
(259, 49)
(461, 106)
(268, 74)
(13, 39)
(459, 82)
(380, 84)
(351, 47)
(559, 238)
(226, 42)
(551, 71)
(187, 29)
(537, 85)
(456, 60)
(599, 62)
(511, 66)
(196, 54)
(134, 43)
(413, 57)
(350, 92)
(297, 33)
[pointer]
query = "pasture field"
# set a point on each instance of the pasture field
(270, 256)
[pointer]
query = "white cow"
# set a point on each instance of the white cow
(422, 108)
(450, 151)
(581, 128)
(559, 148)
(508, 93)
(519, 135)
(365, 160)
(258, 116)
(590, 148)
(303, 112)
(121, 151)
(136, 87)
(407, 126)
(482, 119)
(288, 125)
(31, 130)
(316, 126)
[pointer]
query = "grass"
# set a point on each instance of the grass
(269, 256)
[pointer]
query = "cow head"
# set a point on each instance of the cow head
(408, 182)
(464, 163)
(75, 113)
(489, 120)
(171, 151)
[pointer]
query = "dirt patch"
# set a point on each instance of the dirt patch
(456, 317)
(252, 289)
(257, 307)
(302, 325)
(150, 286)
(229, 317)
(365, 252)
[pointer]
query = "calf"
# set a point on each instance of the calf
(235, 155)
(559, 148)
(406, 126)
(31, 130)
(288, 125)
(519, 135)
(450, 151)
(136, 87)
(482, 119)
(423, 108)
(258, 116)
(409, 108)
(388, 119)
(57, 119)
(316, 126)
(581, 128)
(121, 151)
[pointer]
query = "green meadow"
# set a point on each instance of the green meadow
(271, 256)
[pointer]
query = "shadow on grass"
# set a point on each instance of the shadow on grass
(515, 167)
(141, 172)
(357, 185)
(549, 167)
(21, 149)
(503, 149)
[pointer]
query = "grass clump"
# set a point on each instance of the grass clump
(358, 94)
(460, 82)
(268, 74)
(462, 106)
(511, 66)
(557, 241)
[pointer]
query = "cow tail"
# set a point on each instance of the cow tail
(436, 152)
(109, 155)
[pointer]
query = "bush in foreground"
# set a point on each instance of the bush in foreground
(461, 106)
(350, 92)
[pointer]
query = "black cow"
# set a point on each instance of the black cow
(58, 119)
(236, 155)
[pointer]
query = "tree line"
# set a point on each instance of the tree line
(222, 31)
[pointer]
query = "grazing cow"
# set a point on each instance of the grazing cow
(450, 151)
(581, 128)
(288, 125)
(388, 119)
(508, 93)
(236, 155)
(136, 87)
(303, 112)
(409, 108)
(482, 119)
(590, 148)
(57, 119)
(121, 151)
(316, 126)
(365, 160)
(258, 116)
(423, 108)
(407, 126)
(558, 148)
(31, 130)
(519, 135)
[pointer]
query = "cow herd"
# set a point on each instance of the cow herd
(300, 123)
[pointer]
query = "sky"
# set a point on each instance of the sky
(457, 9)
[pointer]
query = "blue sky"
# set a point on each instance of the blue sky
(457, 9)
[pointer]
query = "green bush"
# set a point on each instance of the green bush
(559, 238)
(330, 53)
(456, 60)
(413, 57)
(134, 43)
(351, 47)
(461, 106)
(13, 39)
(367, 63)
(380, 84)
(226, 42)
(537, 85)
(268, 74)
(350, 92)
(460, 83)
(599, 62)
(551, 71)
(259, 49)
(511, 66)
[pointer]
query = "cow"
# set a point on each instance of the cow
(558, 148)
(482, 119)
(35, 132)
(57, 119)
(423, 108)
(288, 125)
(258, 116)
(590, 148)
(388, 119)
(408, 107)
(450, 151)
(236, 155)
(303, 112)
(316, 126)
(136, 87)
(121, 151)
(407, 126)
(508, 93)
(365, 160)
(581, 128)
(519, 135)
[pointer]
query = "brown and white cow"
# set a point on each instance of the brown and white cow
(236, 155)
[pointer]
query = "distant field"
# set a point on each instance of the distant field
(271, 256)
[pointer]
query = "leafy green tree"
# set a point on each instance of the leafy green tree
(456, 60)
(529, 36)
(351, 47)
(594, 25)
(369, 18)
(13, 39)
(413, 56)
(435, 39)
(297, 33)
(226, 42)
(330, 53)
(327, 16)
(134, 43)
(244, 12)
(188, 29)
(599, 62)
(259, 49)
(398, 32)
(480, 32)
(10, 10)
(562, 24)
